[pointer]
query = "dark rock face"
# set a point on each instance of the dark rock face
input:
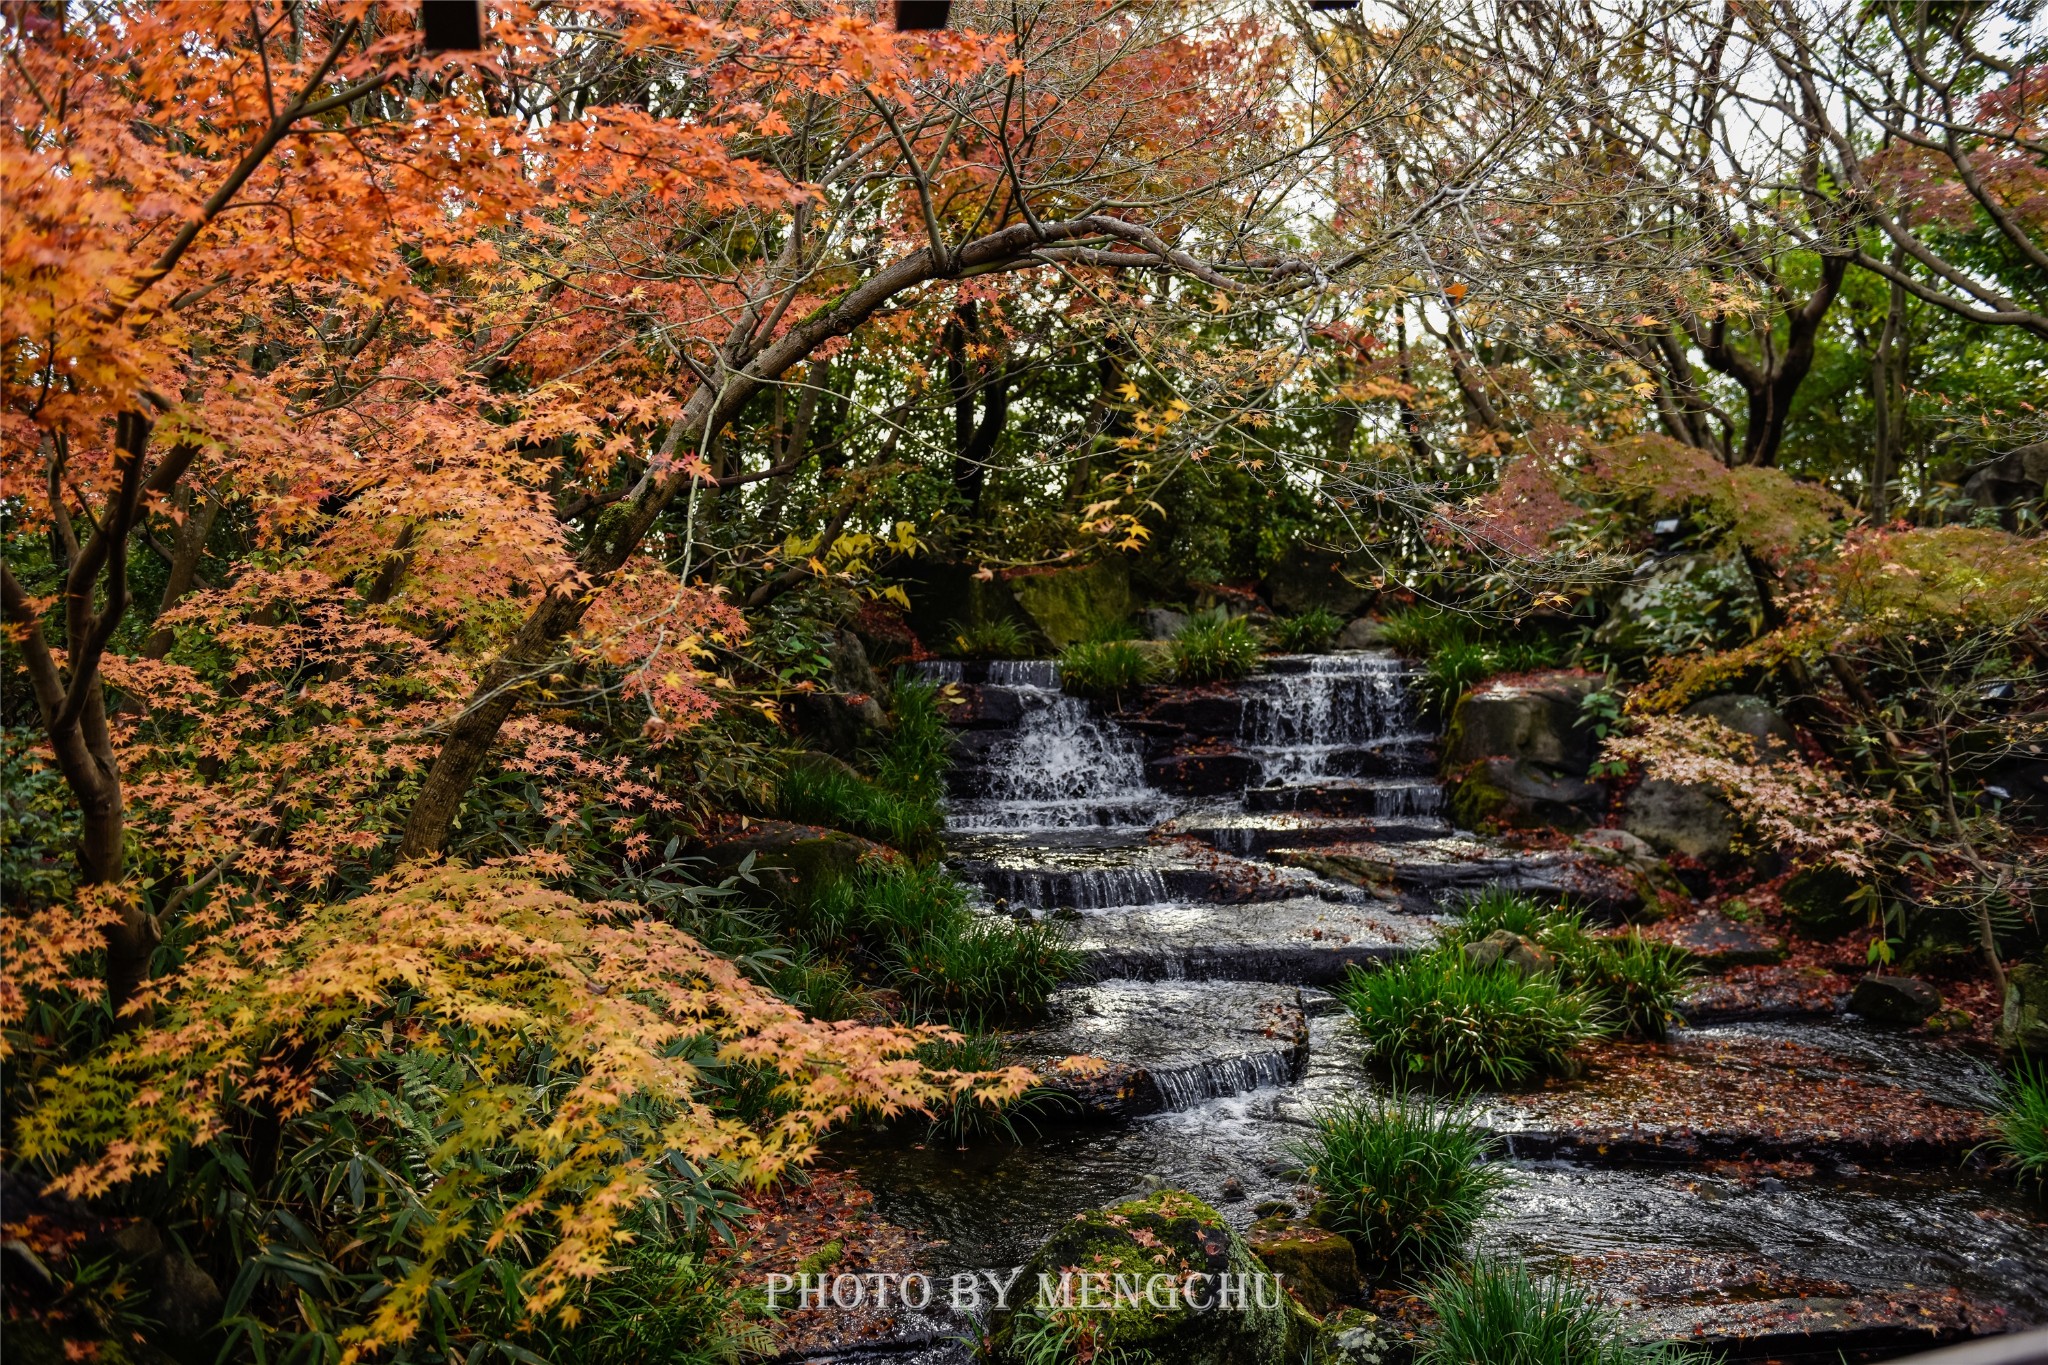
(850, 716)
(1894, 999)
(1709, 589)
(1364, 633)
(1519, 753)
(1198, 774)
(1747, 714)
(1683, 818)
(1523, 794)
(1319, 1267)
(1717, 941)
(2012, 477)
(1306, 578)
(1209, 714)
(1066, 604)
(790, 859)
(1161, 623)
(1822, 901)
(984, 708)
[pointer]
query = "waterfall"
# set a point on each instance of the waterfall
(1184, 1087)
(1297, 720)
(1065, 766)
(1093, 888)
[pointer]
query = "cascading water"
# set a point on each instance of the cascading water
(1304, 724)
(1182, 1088)
(1063, 766)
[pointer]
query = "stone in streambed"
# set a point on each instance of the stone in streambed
(1717, 942)
(1318, 1266)
(1170, 1233)
(1364, 633)
(1894, 999)
(1520, 794)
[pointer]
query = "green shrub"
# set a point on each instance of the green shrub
(1497, 1313)
(1404, 1180)
(914, 926)
(2022, 1123)
(998, 639)
(1215, 648)
(1633, 982)
(817, 794)
(667, 1306)
(1437, 1018)
(912, 765)
(1421, 631)
(1312, 632)
(1106, 669)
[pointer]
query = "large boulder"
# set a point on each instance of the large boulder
(1518, 752)
(1166, 1249)
(1748, 714)
(1824, 901)
(1364, 633)
(1161, 623)
(1683, 818)
(1704, 597)
(1307, 578)
(2019, 475)
(1067, 605)
(2024, 1025)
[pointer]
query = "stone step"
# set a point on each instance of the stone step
(1379, 798)
(1029, 874)
(1246, 833)
(1301, 940)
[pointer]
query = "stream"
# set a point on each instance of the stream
(1207, 956)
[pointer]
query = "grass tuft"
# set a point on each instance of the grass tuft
(999, 639)
(1442, 1021)
(1312, 632)
(1105, 669)
(1498, 1313)
(1404, 1180)
(1634, 982)
(2022, 1123)
(1215, 648)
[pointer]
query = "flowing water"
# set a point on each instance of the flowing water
(1204, 963)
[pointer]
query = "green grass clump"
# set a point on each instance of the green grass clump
(1404, 1180)
(1104, 669)
(969, 1116)
(1215, 648)
(901, 806)
(1633, 982)
(669, 1306)
(1419, 632)
(1458, 654)
(1439, 1019)
(1312, 632)
(999, 639)
(1497, 1313)
(913, 927)
(2022, 1124)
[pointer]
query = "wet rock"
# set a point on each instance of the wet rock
(1504, 946)
(1894, 999)
(1170, 1233)
(1319, 1267)
(1520, 794)
(1233, 1189)
(1273, 1208)
(2024, 1025)
(1210, 714)
(1067, 604)
(1356, 1337)
(1717, 942)
(1161, 623)
(1198, 774)
(1671, 602)
(1364, 633)
(1307, 578)
(790, 859)
(1087, 1087)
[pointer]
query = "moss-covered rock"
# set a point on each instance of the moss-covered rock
(1707, 598)
(1319, 1267)
(1534, 718)
(1356, 1337)
(1520, 794)
(2024, 1025)
(1122, 1278)
(1684, 818)
(1067, 605)
(791, 860)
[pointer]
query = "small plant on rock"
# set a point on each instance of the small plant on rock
(1442, 1020)
(1498, 1313)
(1105, 669)
(1312, 632)
(999, 639)
(1215, 648)
(1404, 1180)
(2022, 1124)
